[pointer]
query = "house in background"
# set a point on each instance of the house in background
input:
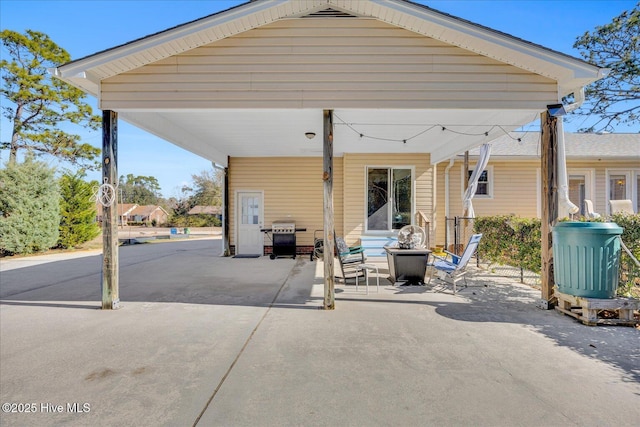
(149, 214)
(124, 210)
(392, 89)
(131, 212)
(600, 168)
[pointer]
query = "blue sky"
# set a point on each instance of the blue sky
(84, 27)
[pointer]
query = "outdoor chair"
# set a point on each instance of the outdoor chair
(588, 209)
(350, 258)
(453, 267)
(621, 206)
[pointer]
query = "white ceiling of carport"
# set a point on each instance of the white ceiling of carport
(217, 134)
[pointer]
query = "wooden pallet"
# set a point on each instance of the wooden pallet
(589, 310)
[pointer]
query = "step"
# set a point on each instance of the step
(374, 245)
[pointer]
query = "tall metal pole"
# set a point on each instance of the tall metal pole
(327, 178)
(110, 268)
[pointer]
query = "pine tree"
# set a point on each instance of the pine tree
(615, 99)
(77, 211)
(39, 105)
(29, 207)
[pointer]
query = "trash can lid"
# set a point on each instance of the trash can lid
(598, 227)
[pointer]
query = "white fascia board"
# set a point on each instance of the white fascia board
(86, 83)
(80, 80)
(271, 7)
(480, 40)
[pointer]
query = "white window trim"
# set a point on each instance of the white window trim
(366, 197)
(589, 181)
(632, 182)
(465, 178)
(635, 190)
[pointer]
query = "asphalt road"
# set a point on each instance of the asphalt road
(52, 277)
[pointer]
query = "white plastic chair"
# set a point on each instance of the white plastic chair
(621, 206)
(453, 267)
(588, 208)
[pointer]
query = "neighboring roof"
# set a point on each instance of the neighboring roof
(205, 210)
(577, 145)
(130, 209)
(126, 208)
(123, 208)
(146, 210)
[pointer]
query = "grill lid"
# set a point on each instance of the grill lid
(283, 227)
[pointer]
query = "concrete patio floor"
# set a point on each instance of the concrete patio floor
(205, 340)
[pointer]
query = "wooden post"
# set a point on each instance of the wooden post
(226, 251)
(327, 178)
(110, 268)
(549, 162)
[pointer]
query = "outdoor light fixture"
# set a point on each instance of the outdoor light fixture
(556, 110)
(310, 135)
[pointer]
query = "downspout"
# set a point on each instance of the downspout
(446, 188)
(433, 229)
(565, 206)
(225, 238)
(446, 200)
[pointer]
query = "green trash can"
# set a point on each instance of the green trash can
(186, 230)
(586, 258)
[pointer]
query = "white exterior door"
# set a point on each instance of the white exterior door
(249, 220)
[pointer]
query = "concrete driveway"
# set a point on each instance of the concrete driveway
(220, 341)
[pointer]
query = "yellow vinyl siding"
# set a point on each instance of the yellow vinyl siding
(600, 167)
(514, 191)
(355, 195)
(335, 63)
(293, 188)
(516, 188)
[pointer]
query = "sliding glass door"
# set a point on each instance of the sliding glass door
(389, 198)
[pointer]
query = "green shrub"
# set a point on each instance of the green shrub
(29, 207)
(509, 240)
(77, 211)
(200, 220)
(629, 270)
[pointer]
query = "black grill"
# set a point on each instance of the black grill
(283, 237)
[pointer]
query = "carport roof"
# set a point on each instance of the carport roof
(196, 129)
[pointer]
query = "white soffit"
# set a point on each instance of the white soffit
(216, 134)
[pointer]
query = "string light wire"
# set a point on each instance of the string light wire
(429, 127)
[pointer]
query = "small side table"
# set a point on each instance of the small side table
(366, 268)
